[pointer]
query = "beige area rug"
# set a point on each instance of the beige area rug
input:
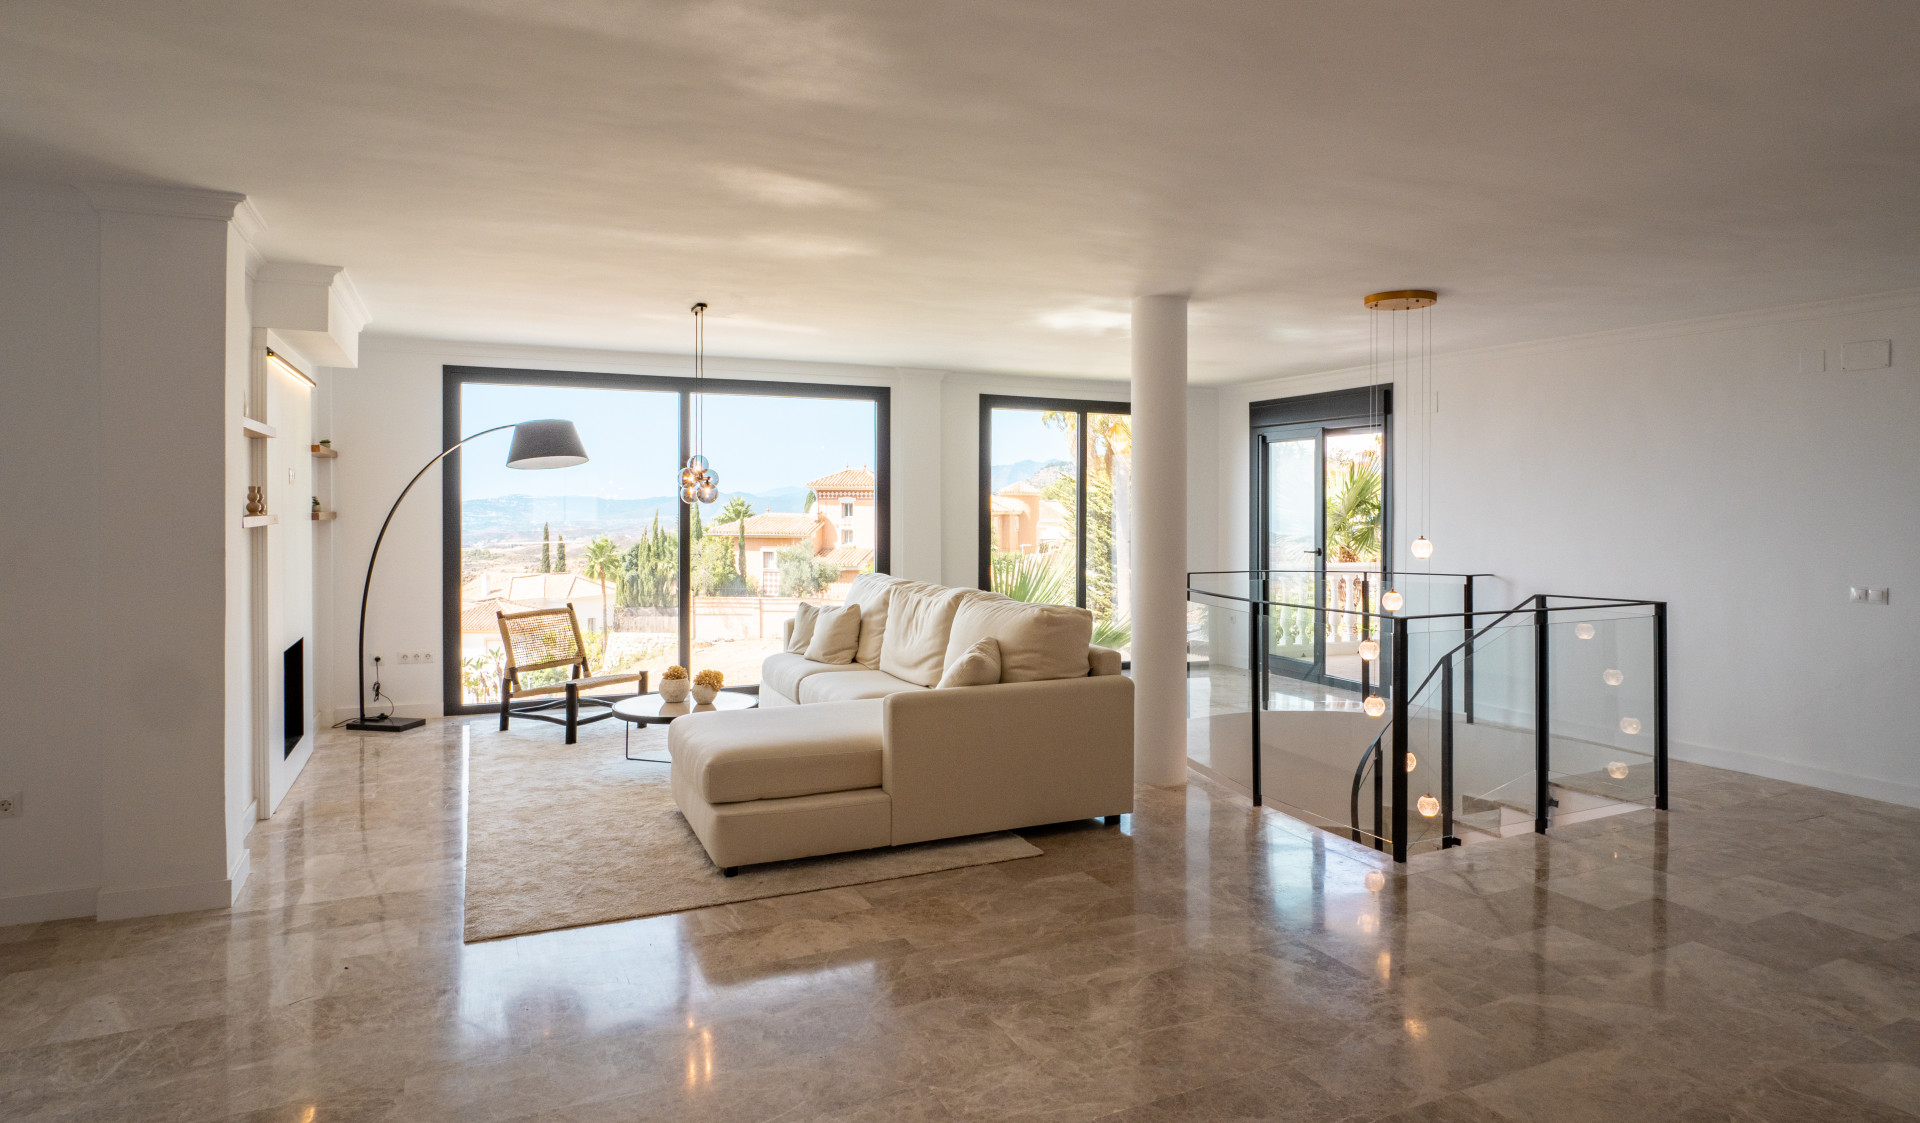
(562, 835)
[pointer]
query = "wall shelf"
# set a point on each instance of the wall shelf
(252, 521)
(257, 430)
(325, 516)
(322, 452)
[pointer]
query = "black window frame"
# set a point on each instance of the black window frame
(456, 376)
(1081, 407)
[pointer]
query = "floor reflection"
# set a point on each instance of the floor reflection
(1751, 955)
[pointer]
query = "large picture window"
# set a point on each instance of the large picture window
(802, 511)
(1056, 520)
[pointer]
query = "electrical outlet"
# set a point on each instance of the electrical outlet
(10, 805)
(412, 657)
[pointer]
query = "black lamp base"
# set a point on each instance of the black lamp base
(387, 724)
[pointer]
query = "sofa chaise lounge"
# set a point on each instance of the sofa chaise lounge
(873, 751)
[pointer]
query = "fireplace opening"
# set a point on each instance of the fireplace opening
(293, 693)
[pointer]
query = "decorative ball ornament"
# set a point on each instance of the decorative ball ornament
(1584, 631)
(1612, 677)
(1617, 769)
(1392, 601)
(1374, 705)
(1629, 725)
(1421, 548)
(1376, 881)
(1369, 650)
(1412, 762)
(1428, 805)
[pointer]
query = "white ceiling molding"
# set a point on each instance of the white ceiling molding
(315, 307)
(176, 202)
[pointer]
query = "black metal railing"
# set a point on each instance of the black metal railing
(1454, 667)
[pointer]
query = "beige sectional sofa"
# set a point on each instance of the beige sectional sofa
(874, 752)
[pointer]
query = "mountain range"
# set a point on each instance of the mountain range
(1041, 472)
(516, 518)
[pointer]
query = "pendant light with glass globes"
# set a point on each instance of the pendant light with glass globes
(698, 481)
(1409, 347)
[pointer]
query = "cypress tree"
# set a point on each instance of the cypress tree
(698, 532)
(560, 556)
(546, 548)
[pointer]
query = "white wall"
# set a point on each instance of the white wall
(119, 308)
(1694, 463)
(50, 512)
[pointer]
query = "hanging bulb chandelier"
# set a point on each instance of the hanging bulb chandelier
(1409, 347)
(1428, 805)
(698, 483)
(1374, 705)
(1369, 650)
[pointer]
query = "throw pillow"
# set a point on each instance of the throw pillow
(836, 635)
(979, 665)
(918, 620)
(804, 618)
(869, 591)
(1037, 641)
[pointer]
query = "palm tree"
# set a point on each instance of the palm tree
(1035, 578)
(601, 563)
(739, 510)
(1353, 514)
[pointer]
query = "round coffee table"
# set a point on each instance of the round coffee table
(651, 709)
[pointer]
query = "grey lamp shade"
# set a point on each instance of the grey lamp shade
(546, 444)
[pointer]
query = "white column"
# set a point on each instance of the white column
(1159, 539)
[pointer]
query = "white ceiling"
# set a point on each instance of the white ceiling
(984, 185)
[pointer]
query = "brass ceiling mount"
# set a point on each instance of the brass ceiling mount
(1403, 300)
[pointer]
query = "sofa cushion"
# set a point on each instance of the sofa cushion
(918, 620)
(857, 682)
(1104, 661)
(836, 634)
(805, 616)
(1037, 641)
(869, 591)
(979, 665)
(734, 756)
(783, 672)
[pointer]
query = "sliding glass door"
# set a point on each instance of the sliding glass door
(1319, 524)
(1056, 519)
(802, 511)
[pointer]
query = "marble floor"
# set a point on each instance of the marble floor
(1753, 955)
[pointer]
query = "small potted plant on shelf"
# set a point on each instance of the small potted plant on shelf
(707, 684)
(674, 684)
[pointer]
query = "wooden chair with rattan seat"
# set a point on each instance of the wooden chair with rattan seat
(543, 638)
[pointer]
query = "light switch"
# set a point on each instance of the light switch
(1813, 362)
(1868, 354)
(1857, 594)
(1879, 596)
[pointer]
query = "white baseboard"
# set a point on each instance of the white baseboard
(1867, 787)
(158, 900)
(237, 876)
(33, 908)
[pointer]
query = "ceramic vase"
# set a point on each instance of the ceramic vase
(673, 689)
(704, 694)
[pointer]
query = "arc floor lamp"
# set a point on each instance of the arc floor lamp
(536, 444)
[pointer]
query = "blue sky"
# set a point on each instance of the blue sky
(755, 443)
(1019, 434)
